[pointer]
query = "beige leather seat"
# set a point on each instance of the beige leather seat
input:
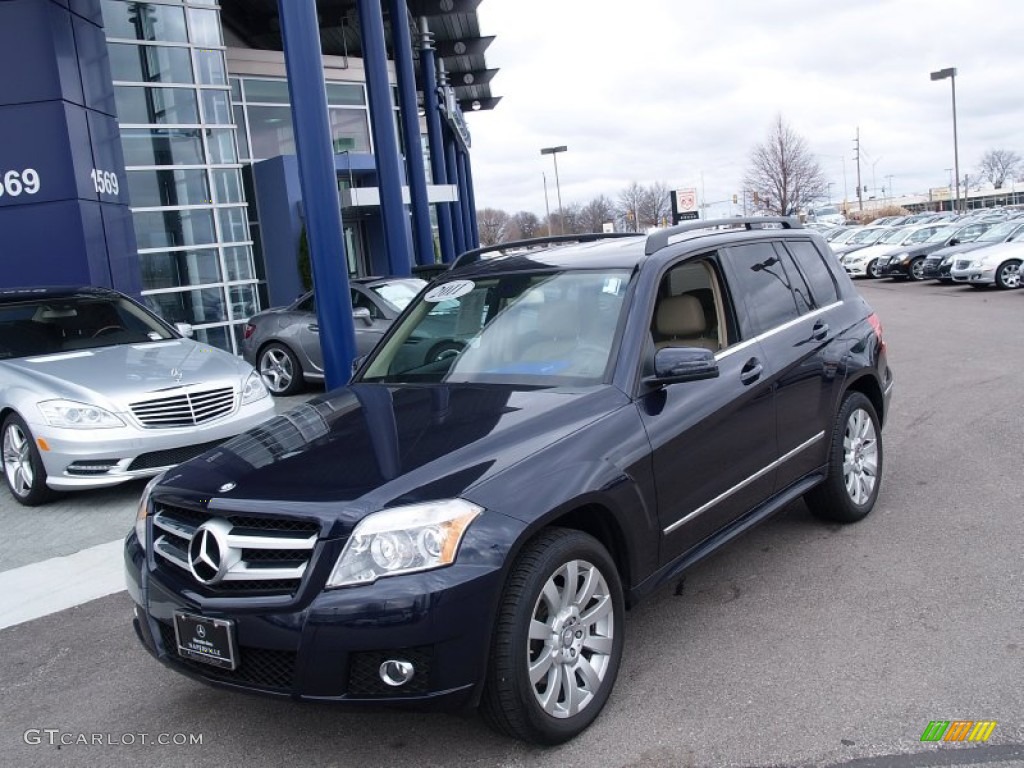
(679, 321)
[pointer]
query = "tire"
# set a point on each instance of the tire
(915, 270)
(851, 487)
(872, 271)
(280, 370)
(24, 472)
(583, 639)
(442, 350)
(1008, 275)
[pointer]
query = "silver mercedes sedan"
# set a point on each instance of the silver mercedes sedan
(96, 390)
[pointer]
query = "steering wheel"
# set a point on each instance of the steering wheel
(109, 329)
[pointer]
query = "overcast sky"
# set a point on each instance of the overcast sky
(673, 90)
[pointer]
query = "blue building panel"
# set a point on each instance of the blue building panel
(90, 10)
(107, 160)
(37, 53)
(94, 66)
(43, 245)
(35, 140)
(121, 259)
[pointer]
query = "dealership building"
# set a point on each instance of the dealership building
(151, 146)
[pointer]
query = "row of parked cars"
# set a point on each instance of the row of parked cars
(979, 249)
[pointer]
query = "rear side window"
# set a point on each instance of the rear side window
(765, 286)
(815, 271)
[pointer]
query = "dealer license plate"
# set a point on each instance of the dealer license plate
(211, 641)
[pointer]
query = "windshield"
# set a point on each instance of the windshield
(522, 329)
(50, 325)
(867, 236)
(942, 234)
(842, 235)
(398, 293)
(895, 237)
(921, 235)
(1000, 232)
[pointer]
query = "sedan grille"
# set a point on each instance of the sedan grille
(186, 409)
(963, 264)
(260, 555)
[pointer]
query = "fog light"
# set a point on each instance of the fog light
(395, 672)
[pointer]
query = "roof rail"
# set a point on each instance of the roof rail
(470, 257)
(658, 240)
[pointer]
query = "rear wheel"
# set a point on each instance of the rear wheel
(280, 369)
(854, 464)
(23, 468)
(558, 641)
(1008, 275)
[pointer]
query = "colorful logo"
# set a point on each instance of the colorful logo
(959, 730)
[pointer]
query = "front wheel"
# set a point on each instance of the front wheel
(23, 468)
(558, 641)
(850, 489)
(916, 271)
(1008, 275)
(874, 270)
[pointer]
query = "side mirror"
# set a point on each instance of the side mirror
(185, 329)
(954, 241)
(363, 314)
(357, 363)
(676, 364)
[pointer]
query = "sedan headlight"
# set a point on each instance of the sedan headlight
(253, 389)
(976, 264)
(143, 511)
(67, 413)
(418, 537)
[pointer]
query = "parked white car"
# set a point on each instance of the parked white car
(864, 261)
(997, 265)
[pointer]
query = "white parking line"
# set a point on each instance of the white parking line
(53, 585)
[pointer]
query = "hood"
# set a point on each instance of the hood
(386, 444)
(110, 376)
(922, 249)
(871, 252)
(996, 253)
(953, 250)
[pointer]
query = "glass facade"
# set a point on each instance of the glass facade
(183, 165)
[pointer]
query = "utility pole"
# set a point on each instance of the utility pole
(860, 189)
(547, 208)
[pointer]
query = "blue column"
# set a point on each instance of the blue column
(300, 35)
(452, 169)
(385, 144)
(468, 215)
(435, 138)
(471, 197)
(401, 44)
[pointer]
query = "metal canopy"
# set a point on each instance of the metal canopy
(454, 24)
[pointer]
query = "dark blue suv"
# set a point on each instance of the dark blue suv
(468, 529)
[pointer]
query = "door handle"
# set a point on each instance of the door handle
(313, 327)
(820, 331)
(751, 372)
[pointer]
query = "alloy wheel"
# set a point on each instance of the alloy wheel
(18, 460)
(860, 456)
(1009, 275)
(571, 639)
(276, 370)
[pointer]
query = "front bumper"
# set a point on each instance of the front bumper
(894, 269)
(856, 269)
(98, 458)
(328, 645)
(974, 275)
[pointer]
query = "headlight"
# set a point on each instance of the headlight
(418, 537)
(903, 257)
(253, 389)
(143, 510)
(67, 413)
(976, 264)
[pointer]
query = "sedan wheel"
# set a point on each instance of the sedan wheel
(874, 270)
(280, 370)
(1008, 275)
(23, 468)
(558, 642)
(916, 270)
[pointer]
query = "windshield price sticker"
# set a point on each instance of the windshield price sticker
(452, 290)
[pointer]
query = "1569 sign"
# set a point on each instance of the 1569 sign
(15, 183)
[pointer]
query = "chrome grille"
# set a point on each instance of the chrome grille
(185, 409)
(269, 558)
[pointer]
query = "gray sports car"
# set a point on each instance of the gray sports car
(284, 343)
(96, 390)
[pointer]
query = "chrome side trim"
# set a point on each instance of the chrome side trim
(778, 329)
(744, 483)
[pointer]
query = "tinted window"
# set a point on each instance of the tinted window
(765, 285)
(815, 271)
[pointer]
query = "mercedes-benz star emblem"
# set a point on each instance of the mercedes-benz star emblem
(209, 556)
(200, 631)
(226, 487)
(176, 374)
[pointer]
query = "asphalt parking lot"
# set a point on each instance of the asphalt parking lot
(800, 644)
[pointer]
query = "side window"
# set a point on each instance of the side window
(815, 271)
(690, 310)
(764, 285)
(307, 305)
(360, 300)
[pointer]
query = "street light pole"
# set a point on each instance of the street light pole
(553, 151)
(942, 74)
(547, 208)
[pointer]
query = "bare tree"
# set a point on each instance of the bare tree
(596, 213)
(783, 173)
(524, 225)
(631, 200)
(655, 205)
(998, 165)
(492, 224)
(568, 222)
